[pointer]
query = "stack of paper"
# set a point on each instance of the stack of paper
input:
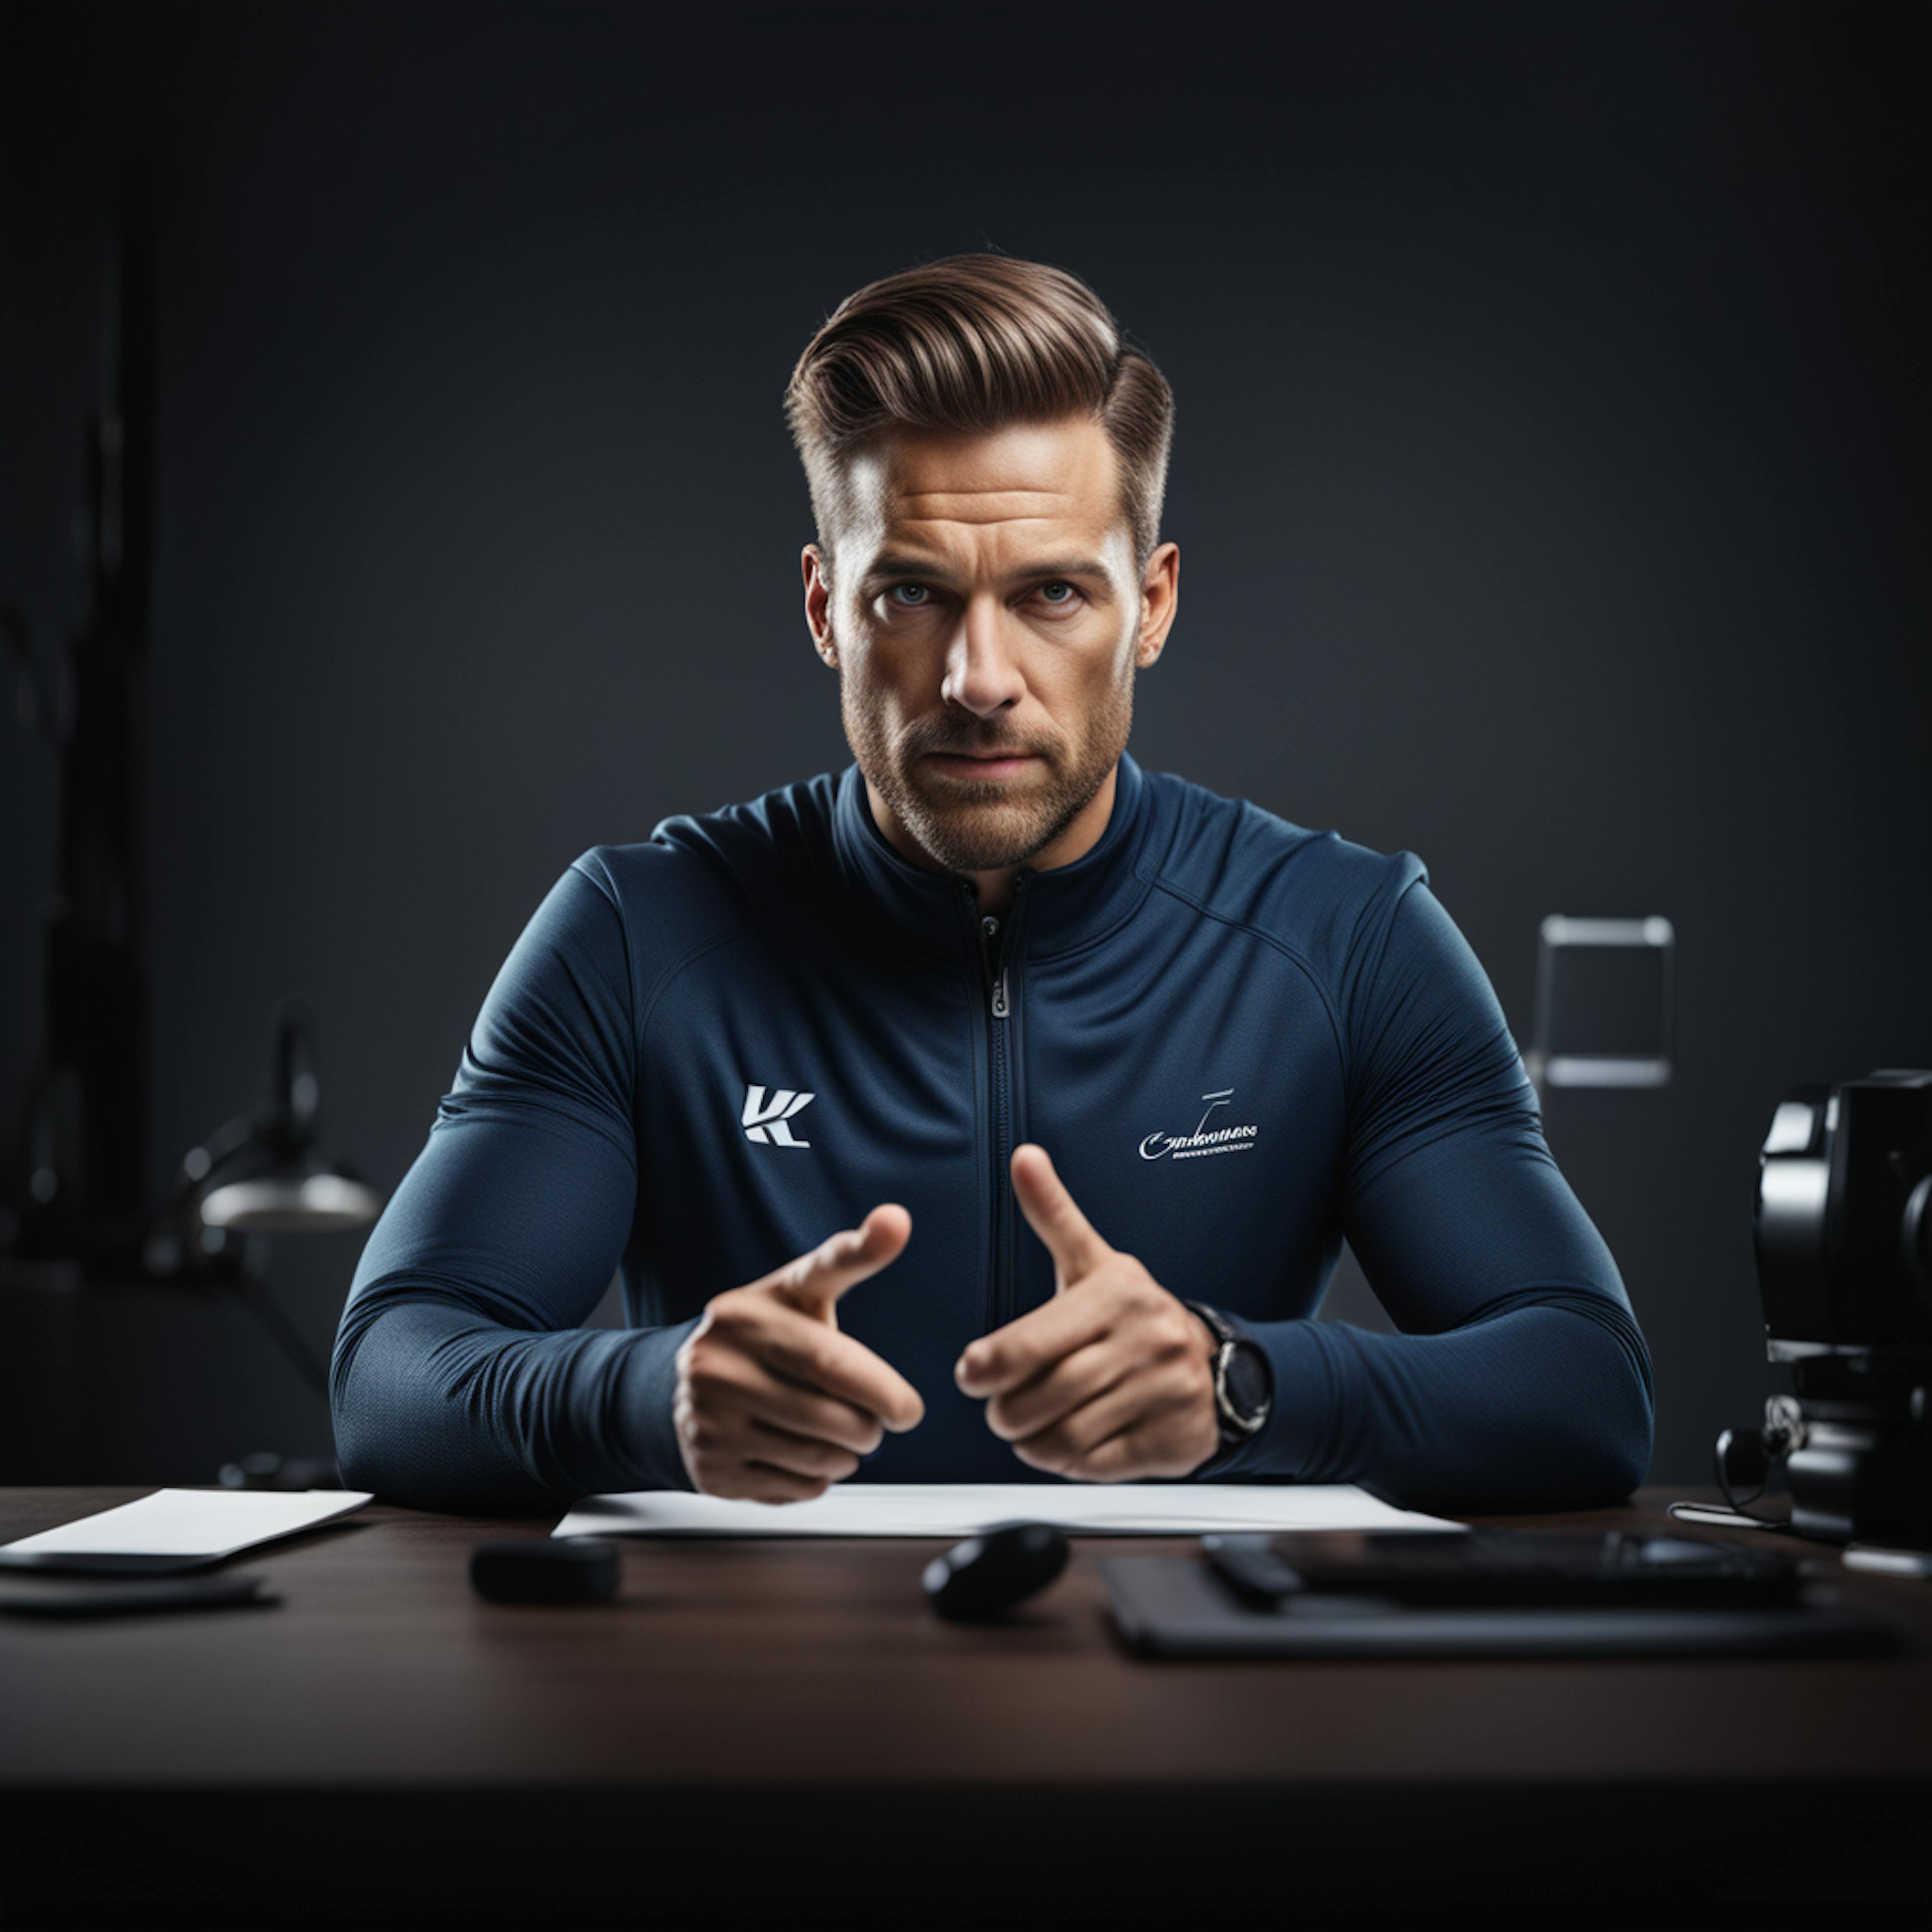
(190, 1523)
(963, 1509)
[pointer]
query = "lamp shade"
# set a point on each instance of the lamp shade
(306, 1196)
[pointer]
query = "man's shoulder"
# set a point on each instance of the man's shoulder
(751, 861)
(1313, 891)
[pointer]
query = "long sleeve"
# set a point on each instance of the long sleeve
(1519, 1380)
(463, 1379)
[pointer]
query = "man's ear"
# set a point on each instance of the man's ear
(1160, 599)
(818, 574)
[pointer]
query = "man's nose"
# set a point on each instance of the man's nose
(981, 672)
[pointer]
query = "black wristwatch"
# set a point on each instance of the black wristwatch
(1243, 1381)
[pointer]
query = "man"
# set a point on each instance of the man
(995, 1108)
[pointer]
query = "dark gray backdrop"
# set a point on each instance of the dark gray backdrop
(1548, 479)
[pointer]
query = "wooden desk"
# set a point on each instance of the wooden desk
(788, 1720)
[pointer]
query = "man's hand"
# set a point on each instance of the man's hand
(772, 1403)
(1113, 1380)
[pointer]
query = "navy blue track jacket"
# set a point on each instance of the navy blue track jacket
(1239, 1040)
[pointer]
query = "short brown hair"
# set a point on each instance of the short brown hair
(971, 343)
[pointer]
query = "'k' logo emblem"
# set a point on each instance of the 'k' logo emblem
(767, 1124)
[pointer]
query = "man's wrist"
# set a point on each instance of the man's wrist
(1213, 1334)
(1243, 1381)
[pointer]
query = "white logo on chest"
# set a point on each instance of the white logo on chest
(765, 1123)
(1204, 1140)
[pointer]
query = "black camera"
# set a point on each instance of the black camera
(1843, 1230)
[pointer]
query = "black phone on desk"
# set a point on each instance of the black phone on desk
(1307, 1572)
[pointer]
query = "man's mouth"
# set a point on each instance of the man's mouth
(982, 764)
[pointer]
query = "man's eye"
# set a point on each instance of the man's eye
(1057, 584)
(920, 596)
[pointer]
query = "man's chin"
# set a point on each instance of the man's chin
(982, 836)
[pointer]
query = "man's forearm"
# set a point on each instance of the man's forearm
(1543, 1405)
(437, 1408)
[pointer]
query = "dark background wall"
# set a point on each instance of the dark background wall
(1548, 479)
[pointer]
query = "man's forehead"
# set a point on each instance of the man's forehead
(1031, 476)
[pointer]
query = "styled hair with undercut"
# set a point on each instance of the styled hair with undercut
(971, 343)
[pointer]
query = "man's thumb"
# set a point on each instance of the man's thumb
(813, 1283)
(1075, 1243)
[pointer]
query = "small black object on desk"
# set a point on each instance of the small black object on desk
(545, 1570)
(234, 1591)
(986, 1575)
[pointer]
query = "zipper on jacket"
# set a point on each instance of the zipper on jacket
(995, 949)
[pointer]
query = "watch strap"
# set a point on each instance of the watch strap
(1235, 1427)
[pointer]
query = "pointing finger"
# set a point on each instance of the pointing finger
(1071, 1239)
(817, 1356)
(1033, 1344)
(813, 1283)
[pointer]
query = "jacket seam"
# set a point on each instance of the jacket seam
(1093, 939)
(1373, 967)
(630, 964)
(696, 951)
(1295, 959)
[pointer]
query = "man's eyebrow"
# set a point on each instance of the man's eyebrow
(895, 563)
(898, 563)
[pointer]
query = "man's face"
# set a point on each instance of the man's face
(987, 622)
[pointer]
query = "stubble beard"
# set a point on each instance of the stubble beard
(965, 825)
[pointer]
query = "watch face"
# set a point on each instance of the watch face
(1247, 1381)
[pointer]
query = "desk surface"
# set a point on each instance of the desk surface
(774, 1672)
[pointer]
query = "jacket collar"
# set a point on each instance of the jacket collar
(935, 913)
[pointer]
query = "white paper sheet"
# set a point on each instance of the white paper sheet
(193, 1522)
(962, 1509)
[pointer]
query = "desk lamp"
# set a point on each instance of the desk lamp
(264, 1174)
(260, 1175)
